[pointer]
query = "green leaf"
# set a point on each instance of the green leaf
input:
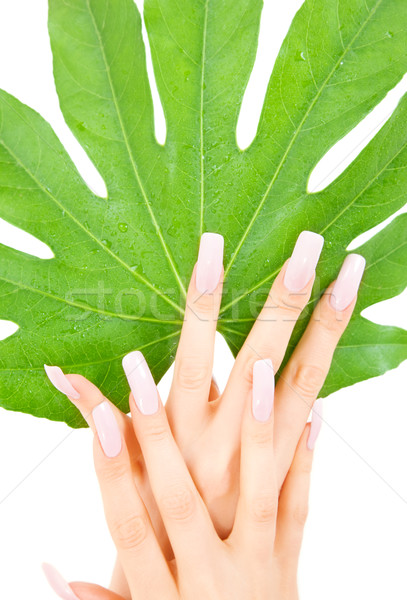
(122, 263)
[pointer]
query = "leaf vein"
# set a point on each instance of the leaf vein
(295, 136)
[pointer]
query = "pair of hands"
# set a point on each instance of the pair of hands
(210, 497)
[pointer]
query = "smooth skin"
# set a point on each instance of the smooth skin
(208, 434)
(265, 536)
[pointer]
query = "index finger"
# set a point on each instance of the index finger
(185, 516)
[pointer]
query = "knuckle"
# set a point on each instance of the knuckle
(178, 503)
(261, 436)
(264, 508)
(111, 471)
(329, 323)
(156, 431)
(308, 380)
(304, 468)
(204, 306)
(130, 532)
(192, 374)
(288, 303)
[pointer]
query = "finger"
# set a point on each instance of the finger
(293, 502)
(86, 396)
(76, 590)
(255, 522)
(272, 330)
(188, 398)
(305, 373)
(139, 552)
(185, 516)
(91, 591)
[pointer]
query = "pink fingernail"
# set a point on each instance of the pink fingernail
(61, 382)
(263, 390)
(316, 424)
(141, 382)
(58, 583)
(348, 281)
(301, 266)
(210, 262)
(107, 429)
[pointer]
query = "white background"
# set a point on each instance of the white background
(356, 538)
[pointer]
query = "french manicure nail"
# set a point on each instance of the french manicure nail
(301, 266)
(141, 382)
(58, 583)
(316, 424)
(210, 262)
(61, 382)
(263, 390)
(107, 429)
(348, 281)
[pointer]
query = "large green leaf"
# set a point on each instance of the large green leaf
(122, 263)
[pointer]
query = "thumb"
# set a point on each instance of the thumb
(76, 590)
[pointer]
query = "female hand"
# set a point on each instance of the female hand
(259, 558)
(208, 433)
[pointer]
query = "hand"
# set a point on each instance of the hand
(259, 558)
(209, 433)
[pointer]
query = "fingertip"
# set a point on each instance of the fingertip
(142, 384)
(303, 443)
(107, 429)
(348, 281)
(263, 390)
(58, 583)
(61, 382)
(90, 591)
(210, 262)
(316, 424)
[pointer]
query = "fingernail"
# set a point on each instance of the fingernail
(141, 382)
(210, 262)
(263, 390)
(303, 261)
(107, 429)
(316, 424)
(58, 583)
(61, 382)
(348, 281)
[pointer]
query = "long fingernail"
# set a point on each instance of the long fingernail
(61, 382)
(348, 281)
(107, 429)
(58, 583)
(210, 262)
(303, 261)
(316, 424)
(263, 390)
(141, 382)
